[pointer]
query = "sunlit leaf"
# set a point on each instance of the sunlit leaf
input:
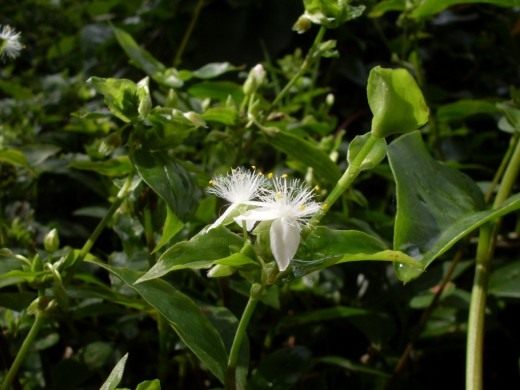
(116, 375)
(120, 96)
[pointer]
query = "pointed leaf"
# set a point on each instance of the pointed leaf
(200, 252)
(120, 96)
(374, 157)
(184, 316)
(116, 375)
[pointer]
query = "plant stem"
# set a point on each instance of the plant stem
(188, 32)
(239, 336)
(303, 68)
(24, 349)
(485, 249)
(345, 181)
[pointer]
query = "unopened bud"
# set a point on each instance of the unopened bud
(302, 24)
(51, 242)
(194, 118)
(255, 78)
(219, 271)
(329, 99)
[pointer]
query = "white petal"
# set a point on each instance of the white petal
(285, 239)
(256, 215)
(225, 215)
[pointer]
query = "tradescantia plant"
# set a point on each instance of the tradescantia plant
(171, 147)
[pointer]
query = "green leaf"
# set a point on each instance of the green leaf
(325, 247)
(218, 90)
(512, 114)
(118, 166)
(172, 226)
(120, 96)
(428, 8)
(224, 115)
(465, 108)
(396, 102)
(331, 13)
(167, 178)
(147, 62)
(14, 157)
(17, 301)
(154, 384)
(436, 205)
(116, 375)
(385, 6)
(374, 157)
(212, 70)
(184, 316)
(352, 366)
(304, 151)
(505, 281)
(200, 252)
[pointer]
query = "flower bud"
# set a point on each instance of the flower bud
(302, 24)
(194, 118)
(255, 78)
(329, 99)
(51, 242)
(219, 271)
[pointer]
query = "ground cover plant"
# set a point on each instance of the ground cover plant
(259, 194)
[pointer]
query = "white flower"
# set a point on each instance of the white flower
(10, 44)
(289, 204)
(239, 188)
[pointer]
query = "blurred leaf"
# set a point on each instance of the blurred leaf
(199, 252)
(351, 366)
(212, 70)
(145, 61)
(184, 316)
(331, 13)
(118, 166)
(281, 369)
(225, 115)
(436, 205)
(167, 178)
(385, 6)
(116, 375)
(396, 101)
(505, 281)
(304, 151)
(120, 96)
(465, 108)
(218, 90)
(325, 247)
(154, 384)
(96, 354)
(512, 114)
(172, 226)
(14, 157)
(15, 90)
(428, 8)
(374, 157)
(17, 301)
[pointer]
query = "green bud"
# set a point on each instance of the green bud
(302, 24)
(219, 271)
(254, 80)
(51, 242)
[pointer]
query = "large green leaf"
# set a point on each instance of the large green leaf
(200, 252)
(428, 8)
(505, 281)
(436, 205)
(116, 375)
(385, 6)
(118, 166)
(396, 102)
(167, 177)
(325, 247)
(464, 108)
(184, 316)
(305, 152)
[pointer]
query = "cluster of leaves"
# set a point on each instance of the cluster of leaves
(134, 154)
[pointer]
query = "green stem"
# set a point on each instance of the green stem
(303, 68)
(188, 32)
(24, 349)
(345, 181)
(239, 336)
(485, 249)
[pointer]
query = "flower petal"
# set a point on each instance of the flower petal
(224, 218)
(285, 239)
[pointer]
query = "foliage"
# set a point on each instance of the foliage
(382, 134)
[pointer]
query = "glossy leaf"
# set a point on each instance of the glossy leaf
(168, 178)
(428, 8)
(120, 96)
(305, 152)
(374, 157)
(200, 252)
(184, 316)
(436, 205)
(385, 6)
(116, 375)
(325, 247)
(154, 384)
(396, 102)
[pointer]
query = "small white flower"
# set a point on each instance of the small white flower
(10, 45)
(239, 188)
(289, 204)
